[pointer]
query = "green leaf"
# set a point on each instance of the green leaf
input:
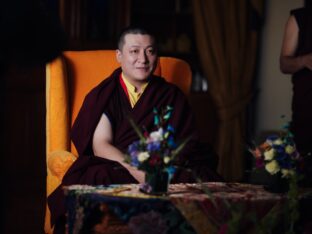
(179, 148)
(167, 116)
(137, 129)
(156, 120)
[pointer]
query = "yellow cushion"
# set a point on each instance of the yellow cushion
(58, 163)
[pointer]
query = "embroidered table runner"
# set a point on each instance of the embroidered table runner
(212, 207)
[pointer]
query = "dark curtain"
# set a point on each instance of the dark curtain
(227, 33)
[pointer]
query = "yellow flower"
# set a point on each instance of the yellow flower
(272, 167)
(289, 149)
(269, 154)
(166, 159)
(287, 172)
(143, 156)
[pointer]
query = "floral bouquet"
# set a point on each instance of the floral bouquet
(278, 156)
(155, 152)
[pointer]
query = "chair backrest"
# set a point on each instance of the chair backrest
(70, 77)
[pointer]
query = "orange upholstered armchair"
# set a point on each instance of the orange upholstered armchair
(68, 79)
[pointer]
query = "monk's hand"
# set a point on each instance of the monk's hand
(137, 174)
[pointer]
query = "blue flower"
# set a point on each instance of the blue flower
(134, 161)
(281, 156)
(272, 137)
(170, 128)
(280, 149)
(286, 164)
(134, 146)
(171, 143)
(134, 153)
(153, 146)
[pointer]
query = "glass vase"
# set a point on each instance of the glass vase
(156, 182)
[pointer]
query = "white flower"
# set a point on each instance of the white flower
(289, 149)
(269, 141)
(269, 154)
(287, 172)
(272, 167)
(278, 141)
(166, 159)
(156, 135)
(142, 156)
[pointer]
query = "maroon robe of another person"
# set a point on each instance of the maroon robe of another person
(301, 125)
(110, 98)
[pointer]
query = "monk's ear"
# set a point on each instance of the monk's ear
(118, 55)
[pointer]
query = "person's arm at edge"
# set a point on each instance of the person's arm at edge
(289, 63)
(102, 147)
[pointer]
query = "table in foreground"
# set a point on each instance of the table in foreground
(187, 208)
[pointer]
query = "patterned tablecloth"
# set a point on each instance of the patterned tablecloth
(187, 208)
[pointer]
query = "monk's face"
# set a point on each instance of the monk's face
(138, 58)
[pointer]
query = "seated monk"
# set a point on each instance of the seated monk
(102, 130)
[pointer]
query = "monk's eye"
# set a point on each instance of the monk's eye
(134, 51)
(150, 51)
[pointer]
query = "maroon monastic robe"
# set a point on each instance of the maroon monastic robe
(109, 98)
(301, 125)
